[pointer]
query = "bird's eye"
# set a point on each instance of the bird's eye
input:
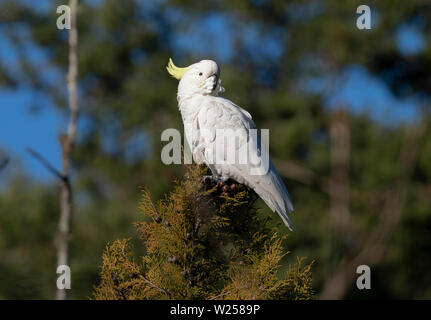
(200, 73)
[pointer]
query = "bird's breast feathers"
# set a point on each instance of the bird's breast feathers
(206, 118)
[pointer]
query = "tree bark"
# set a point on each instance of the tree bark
(67, 141)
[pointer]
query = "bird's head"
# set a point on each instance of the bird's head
(202, 78)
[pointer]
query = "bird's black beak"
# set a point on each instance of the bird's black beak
(215, 82)
(216, 78)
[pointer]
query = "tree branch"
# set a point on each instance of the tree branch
(4, 163)
(302, 174)
(45, 163)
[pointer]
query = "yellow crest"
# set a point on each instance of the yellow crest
(175, 71)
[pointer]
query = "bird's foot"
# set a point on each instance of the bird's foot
(208, 182)
(209, 179)
(212, 179)
(225, 187)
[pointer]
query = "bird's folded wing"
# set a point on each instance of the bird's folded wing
(220, 114)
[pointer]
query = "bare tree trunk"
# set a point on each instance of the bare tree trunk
(339, 190)
(67, 141)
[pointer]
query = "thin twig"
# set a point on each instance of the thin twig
(4, 163)
(219, 295)
(143, 278)
(297, 172)
(308, 177)
(154, 286)
(45, 163)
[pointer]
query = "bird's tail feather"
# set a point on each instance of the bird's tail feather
(284, 216)
(282, 209)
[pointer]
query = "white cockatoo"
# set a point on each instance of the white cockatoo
(206, 115)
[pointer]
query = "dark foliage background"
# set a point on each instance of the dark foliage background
(360, 183)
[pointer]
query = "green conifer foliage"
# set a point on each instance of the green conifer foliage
(205, 240)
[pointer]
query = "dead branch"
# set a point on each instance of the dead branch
(45, 163)
(297, 172)
(304, 175)
(4, 163)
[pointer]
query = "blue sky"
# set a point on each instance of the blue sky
(20, 127)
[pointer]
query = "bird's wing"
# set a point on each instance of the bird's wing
(218, 114)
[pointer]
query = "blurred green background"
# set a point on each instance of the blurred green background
(348, 112)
